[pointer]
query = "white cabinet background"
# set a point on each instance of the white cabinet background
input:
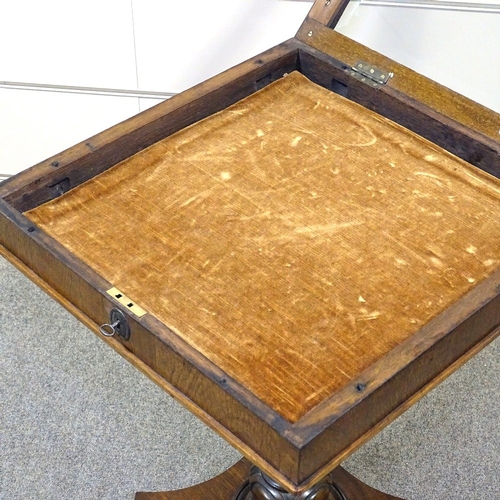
(169, 45)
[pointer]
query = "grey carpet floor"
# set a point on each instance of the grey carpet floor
(78, 422)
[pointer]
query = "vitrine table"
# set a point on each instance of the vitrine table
(297, 250)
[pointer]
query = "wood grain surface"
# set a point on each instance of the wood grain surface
(293, 239)
(328, 12)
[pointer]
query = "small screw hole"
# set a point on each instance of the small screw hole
(130, 305)
(119, 296)
(31, 229)
(360, 387)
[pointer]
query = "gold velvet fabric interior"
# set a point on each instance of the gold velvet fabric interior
(294, 238)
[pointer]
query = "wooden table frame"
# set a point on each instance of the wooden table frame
(297, 455)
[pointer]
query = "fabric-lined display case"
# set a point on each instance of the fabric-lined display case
(297, 250)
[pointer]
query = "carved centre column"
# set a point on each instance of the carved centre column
(261, 487)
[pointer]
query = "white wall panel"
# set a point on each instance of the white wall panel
(37, 125)
(65, 42)
(457, 49)
(181, 43)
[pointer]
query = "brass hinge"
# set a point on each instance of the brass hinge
(371, 75)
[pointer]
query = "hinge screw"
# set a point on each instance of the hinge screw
(311, 33)
(328, 2)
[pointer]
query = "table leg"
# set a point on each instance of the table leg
(234, 484)
(223, 487)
